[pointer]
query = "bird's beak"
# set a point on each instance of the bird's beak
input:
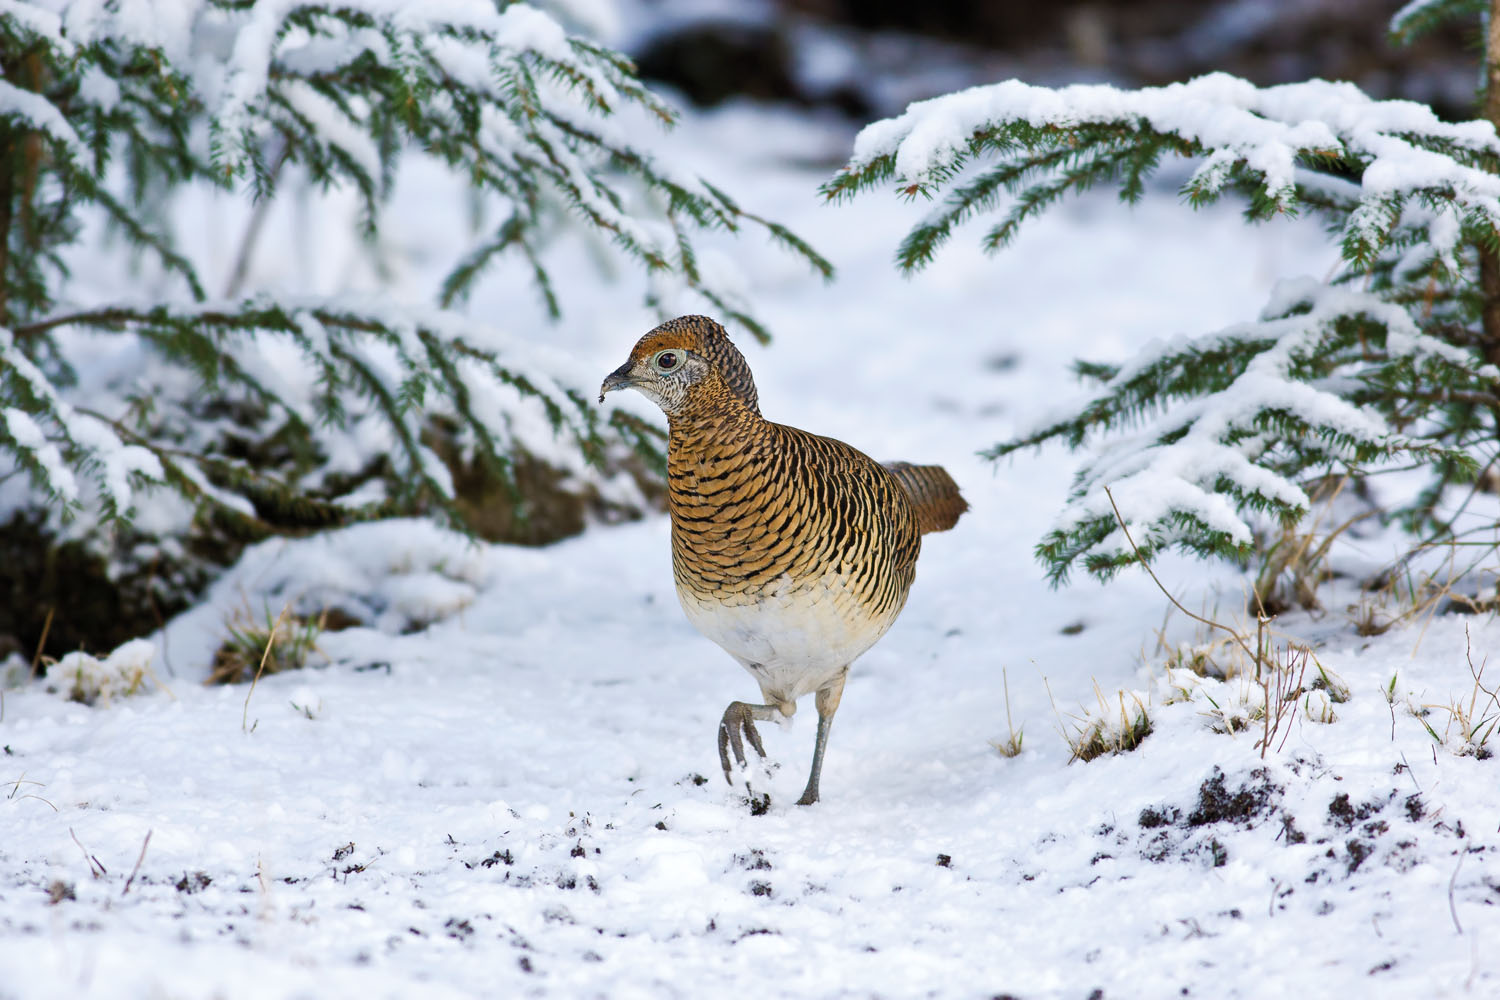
(620, 378)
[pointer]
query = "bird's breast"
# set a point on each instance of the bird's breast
(794, 636)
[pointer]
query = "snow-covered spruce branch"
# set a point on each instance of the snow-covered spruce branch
(503, 94)
(53, 441)
(405, 365)
(1212, 428)
(107, 110)
(1417, 17)
(1017, 148)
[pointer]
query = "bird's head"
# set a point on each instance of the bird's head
(687, 358)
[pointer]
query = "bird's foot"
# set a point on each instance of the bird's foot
(739, 718)
(737, 727)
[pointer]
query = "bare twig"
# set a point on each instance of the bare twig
(264, 656)
(93, 861)
(1413, 774)
(1281, 689)
(136, 870)
(1260, 639)
(36, 655)
(1290, 696)
(1152, 573)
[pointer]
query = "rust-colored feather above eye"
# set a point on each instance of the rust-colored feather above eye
(707, 338)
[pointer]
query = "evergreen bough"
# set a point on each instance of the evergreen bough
(108, 109)
(1392, 363)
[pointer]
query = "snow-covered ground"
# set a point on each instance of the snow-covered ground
(505, 782)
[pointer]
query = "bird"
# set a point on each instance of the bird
(793, 552)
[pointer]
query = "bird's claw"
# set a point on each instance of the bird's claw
(737, 719)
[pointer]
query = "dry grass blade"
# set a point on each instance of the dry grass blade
(1099, 735)
(1296, 555)
(138, 861)
(94, 863)
(1452, 883)
(1011, 746)
(1477, 720)
(15, 786)
(270, 641)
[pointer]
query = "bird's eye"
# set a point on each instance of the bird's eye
(666, 361)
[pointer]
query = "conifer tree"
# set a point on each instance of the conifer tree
(1392, 363)
(252, 404)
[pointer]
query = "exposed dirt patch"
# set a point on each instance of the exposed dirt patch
(196, 882)
(1216, 804)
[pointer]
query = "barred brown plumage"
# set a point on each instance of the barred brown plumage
(793, 552)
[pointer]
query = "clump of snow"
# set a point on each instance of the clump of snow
(14, 671)
(388, 576)
(1317, 706)
(88, 679)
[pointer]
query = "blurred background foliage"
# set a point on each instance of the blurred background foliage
(869, 59)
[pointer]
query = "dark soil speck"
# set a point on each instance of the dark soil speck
(1216, 804)
(195, 882)
(1344, 814)
(1165, 816)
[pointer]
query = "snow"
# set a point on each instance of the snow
(36, 112)
(1172, 463)
(1231, 121)
(31, 437)
(335, 128)
(489, 786)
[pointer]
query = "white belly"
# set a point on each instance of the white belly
(793, 640)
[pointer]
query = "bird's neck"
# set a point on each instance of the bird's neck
(713, 421)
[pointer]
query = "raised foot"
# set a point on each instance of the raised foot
(739, 718)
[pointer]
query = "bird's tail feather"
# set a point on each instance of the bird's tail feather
(932, 492)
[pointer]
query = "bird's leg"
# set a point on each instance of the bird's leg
(828, 703)
(740, 717)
